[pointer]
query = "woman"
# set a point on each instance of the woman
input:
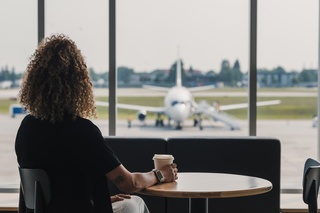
(57, 136)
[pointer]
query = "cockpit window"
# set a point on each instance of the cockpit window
(174, 103)
(177, 102)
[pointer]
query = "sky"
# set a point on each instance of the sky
(152, 34)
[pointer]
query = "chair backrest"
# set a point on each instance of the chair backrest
(36, 188)
(253, 156)
(311, 180)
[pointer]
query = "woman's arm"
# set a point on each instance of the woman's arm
(119, 197)
(129, 182)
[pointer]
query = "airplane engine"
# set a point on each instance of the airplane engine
(142, 115)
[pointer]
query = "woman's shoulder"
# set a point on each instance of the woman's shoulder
(28, 118)
(87, 126)
(84, 122)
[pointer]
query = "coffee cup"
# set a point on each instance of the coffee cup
(161, 160)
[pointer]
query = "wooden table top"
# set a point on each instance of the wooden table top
(210, 185)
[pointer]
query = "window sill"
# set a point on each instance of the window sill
(289, 202)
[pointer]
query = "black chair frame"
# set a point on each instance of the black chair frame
(35, 189)
(311, 181)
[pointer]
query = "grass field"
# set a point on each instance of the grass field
(290, 107)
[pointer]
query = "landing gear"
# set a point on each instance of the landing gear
(195, 122)
(179, 127)
(159, 120)
(200, 124)
(198, 121)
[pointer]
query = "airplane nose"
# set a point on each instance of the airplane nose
(179, 112)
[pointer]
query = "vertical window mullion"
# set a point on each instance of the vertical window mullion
(112, 68)
(252, 109)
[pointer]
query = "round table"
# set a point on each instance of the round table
(200, 186)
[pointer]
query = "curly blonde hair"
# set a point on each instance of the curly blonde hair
(57, 82)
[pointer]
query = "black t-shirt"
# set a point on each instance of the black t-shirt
(76, 157)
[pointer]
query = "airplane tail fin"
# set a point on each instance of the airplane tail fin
(179, 73)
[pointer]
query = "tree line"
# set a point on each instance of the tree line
(229, 74)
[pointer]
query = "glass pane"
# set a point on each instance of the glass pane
(18, 21)
(210, 38)
(287, 63)
(87, 23)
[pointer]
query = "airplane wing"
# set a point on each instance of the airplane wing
(155, 88)
(191, 89)
(245, 105)
(133, 107)
(200, 88)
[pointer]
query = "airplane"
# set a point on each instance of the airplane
(179, 105)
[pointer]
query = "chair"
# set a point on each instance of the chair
(233, 155)
(311, 178)
(35, 189)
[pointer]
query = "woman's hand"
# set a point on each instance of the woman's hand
(129, 182)
(119, 197)
(169, 172)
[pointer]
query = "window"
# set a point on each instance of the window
(209, 37)
(287, 48)
(18, 42)
(87, 24)
(211, 40)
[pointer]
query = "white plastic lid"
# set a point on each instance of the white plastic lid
(162, 156)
